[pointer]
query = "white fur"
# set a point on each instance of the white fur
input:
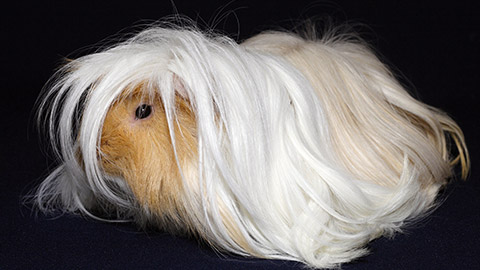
(279, 156)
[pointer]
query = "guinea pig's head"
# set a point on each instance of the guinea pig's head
(138, 146)
(139, 130)
(169, 128)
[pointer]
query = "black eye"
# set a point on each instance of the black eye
(143, 111)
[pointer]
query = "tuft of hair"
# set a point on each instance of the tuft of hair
(284, 147)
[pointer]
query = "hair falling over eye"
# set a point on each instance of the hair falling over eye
(280, 147)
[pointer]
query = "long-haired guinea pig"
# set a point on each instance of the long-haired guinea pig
(279, 147)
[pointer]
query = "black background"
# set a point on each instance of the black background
(436, 47)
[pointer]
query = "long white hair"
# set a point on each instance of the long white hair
(307, 148)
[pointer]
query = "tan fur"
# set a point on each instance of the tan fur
(305, 56)
(140, 150)
(233, 231)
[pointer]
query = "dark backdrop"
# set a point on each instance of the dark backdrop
(435, 46)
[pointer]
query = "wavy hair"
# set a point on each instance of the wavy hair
(303, 149)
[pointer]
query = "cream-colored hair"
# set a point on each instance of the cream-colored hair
(280, 147)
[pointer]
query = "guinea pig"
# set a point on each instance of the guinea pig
(280, 147)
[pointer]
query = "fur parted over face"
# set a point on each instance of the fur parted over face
(140, 151)
(279, 147)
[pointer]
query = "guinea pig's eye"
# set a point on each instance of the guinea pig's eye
(143, 111)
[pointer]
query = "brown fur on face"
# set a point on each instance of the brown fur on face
(141, 152)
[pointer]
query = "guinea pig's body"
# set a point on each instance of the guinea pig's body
(280, 147)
